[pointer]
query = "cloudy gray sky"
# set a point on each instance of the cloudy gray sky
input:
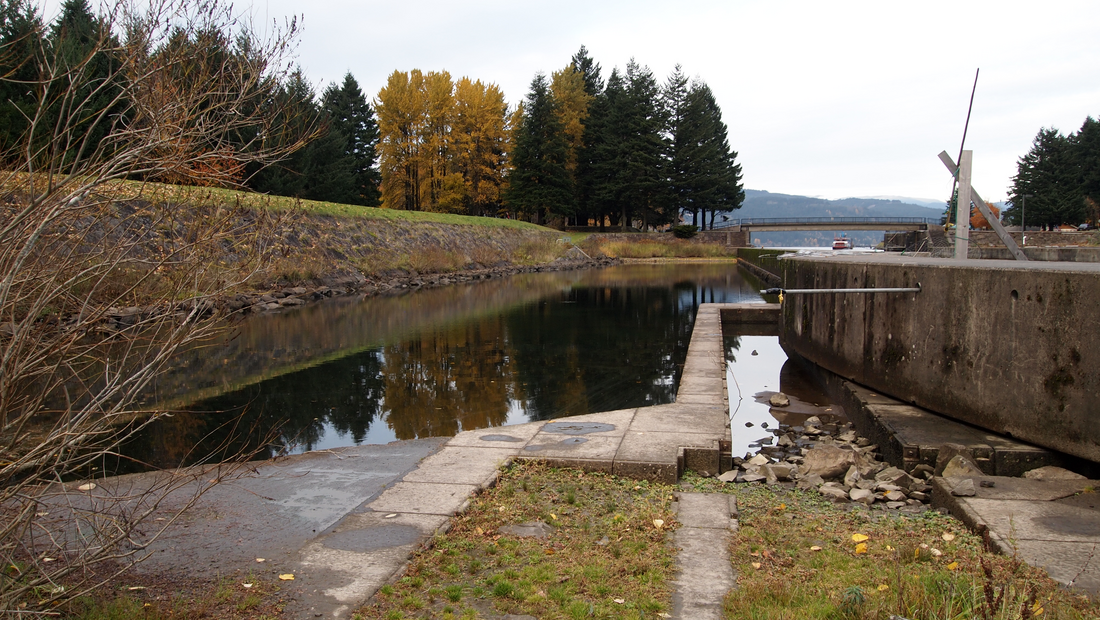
(831, 99)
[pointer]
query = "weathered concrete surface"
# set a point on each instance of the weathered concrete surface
(1006, 346)
(1052, 524)
(908, 435)
(703, 571)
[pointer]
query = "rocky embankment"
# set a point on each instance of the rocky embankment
(846, 468)
(838, 463)
(283, 297)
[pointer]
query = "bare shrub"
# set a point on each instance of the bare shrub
(104, 277)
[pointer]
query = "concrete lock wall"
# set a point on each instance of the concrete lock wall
(1010, 347)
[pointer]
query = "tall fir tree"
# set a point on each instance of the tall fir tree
(80, 44)
(352, 117)
(1086, 154)
(709, 177)
(1047, 174)
(539, 184)
(21, 61)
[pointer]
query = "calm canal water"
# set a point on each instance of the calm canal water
(435, 362)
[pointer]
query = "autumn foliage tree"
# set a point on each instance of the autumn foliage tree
(443, 145)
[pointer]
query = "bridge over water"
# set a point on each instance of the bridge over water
(765, 224)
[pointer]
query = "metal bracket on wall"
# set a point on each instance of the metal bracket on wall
(814, 291)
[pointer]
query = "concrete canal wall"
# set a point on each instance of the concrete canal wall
(1010, 347)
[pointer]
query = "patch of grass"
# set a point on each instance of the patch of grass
(795, 557)
(663, 247)
(592, 558)
(182, 600)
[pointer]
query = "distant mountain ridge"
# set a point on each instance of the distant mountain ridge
(759, 203)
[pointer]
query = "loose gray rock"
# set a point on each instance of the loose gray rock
(895, 496)
(964, 488)
(828, 461)
(894, 505)
(892, 475)
(779, 399)
(959, 466)
(750, 477)
(833, 493)
(729, 476)
(811, 481)
(862, 496)
(852, 477)
(531, 529)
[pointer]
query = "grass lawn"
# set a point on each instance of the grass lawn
(608, 555)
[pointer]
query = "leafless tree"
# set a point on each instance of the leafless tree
(105, 274)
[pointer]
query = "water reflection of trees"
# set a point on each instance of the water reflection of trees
(571, 348)
(448, 380)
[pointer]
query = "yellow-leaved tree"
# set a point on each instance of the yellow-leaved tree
(480, 138)
(572, 102)
(443, 144)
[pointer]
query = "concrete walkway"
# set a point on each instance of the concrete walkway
(1052, 524)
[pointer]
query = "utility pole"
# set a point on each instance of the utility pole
(962, 207)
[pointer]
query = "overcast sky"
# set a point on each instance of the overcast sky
(832, 99)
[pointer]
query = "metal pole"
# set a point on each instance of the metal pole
(818, 291)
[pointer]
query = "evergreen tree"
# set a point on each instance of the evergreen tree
(1086, 154)
(351, 116)
(709, 177)
(1048, 175)
(80, 43)
(643, 177)
(300, 116)
(539, 182)
(21, 60)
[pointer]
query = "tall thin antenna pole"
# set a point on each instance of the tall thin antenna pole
(954, 184)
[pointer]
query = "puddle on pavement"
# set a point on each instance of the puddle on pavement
(505, 438)
(757, 368)
(577, 428)
(372, 538)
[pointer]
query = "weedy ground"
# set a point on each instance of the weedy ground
(798, 556)
(609, 554)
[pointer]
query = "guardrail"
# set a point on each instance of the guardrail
(766, 221)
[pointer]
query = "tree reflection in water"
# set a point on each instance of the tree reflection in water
(532, 347)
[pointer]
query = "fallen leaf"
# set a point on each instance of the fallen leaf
(889, 548)
(658, 523)
(948, 537)
(755, 554)
(861, 548)
(916, 553)
(390, 516)
(936, 553)
(782, 506)
(663, 615)
(49, 559)
(952, 566)
(553, 516)
(756, 565)
(247, 585)
(260, 560)
(41, 514)
(858, 538)
(550, 551)
(135, 588)
(479, 531)
(923, 546)
(815, 548)
(620, 600)
(87, 486)
(637, 488)
(883, 587)
(287, 577)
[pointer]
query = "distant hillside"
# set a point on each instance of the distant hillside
(760, 203)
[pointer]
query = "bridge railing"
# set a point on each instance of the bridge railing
(765, 221)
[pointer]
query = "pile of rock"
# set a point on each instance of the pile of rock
(838, 463)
